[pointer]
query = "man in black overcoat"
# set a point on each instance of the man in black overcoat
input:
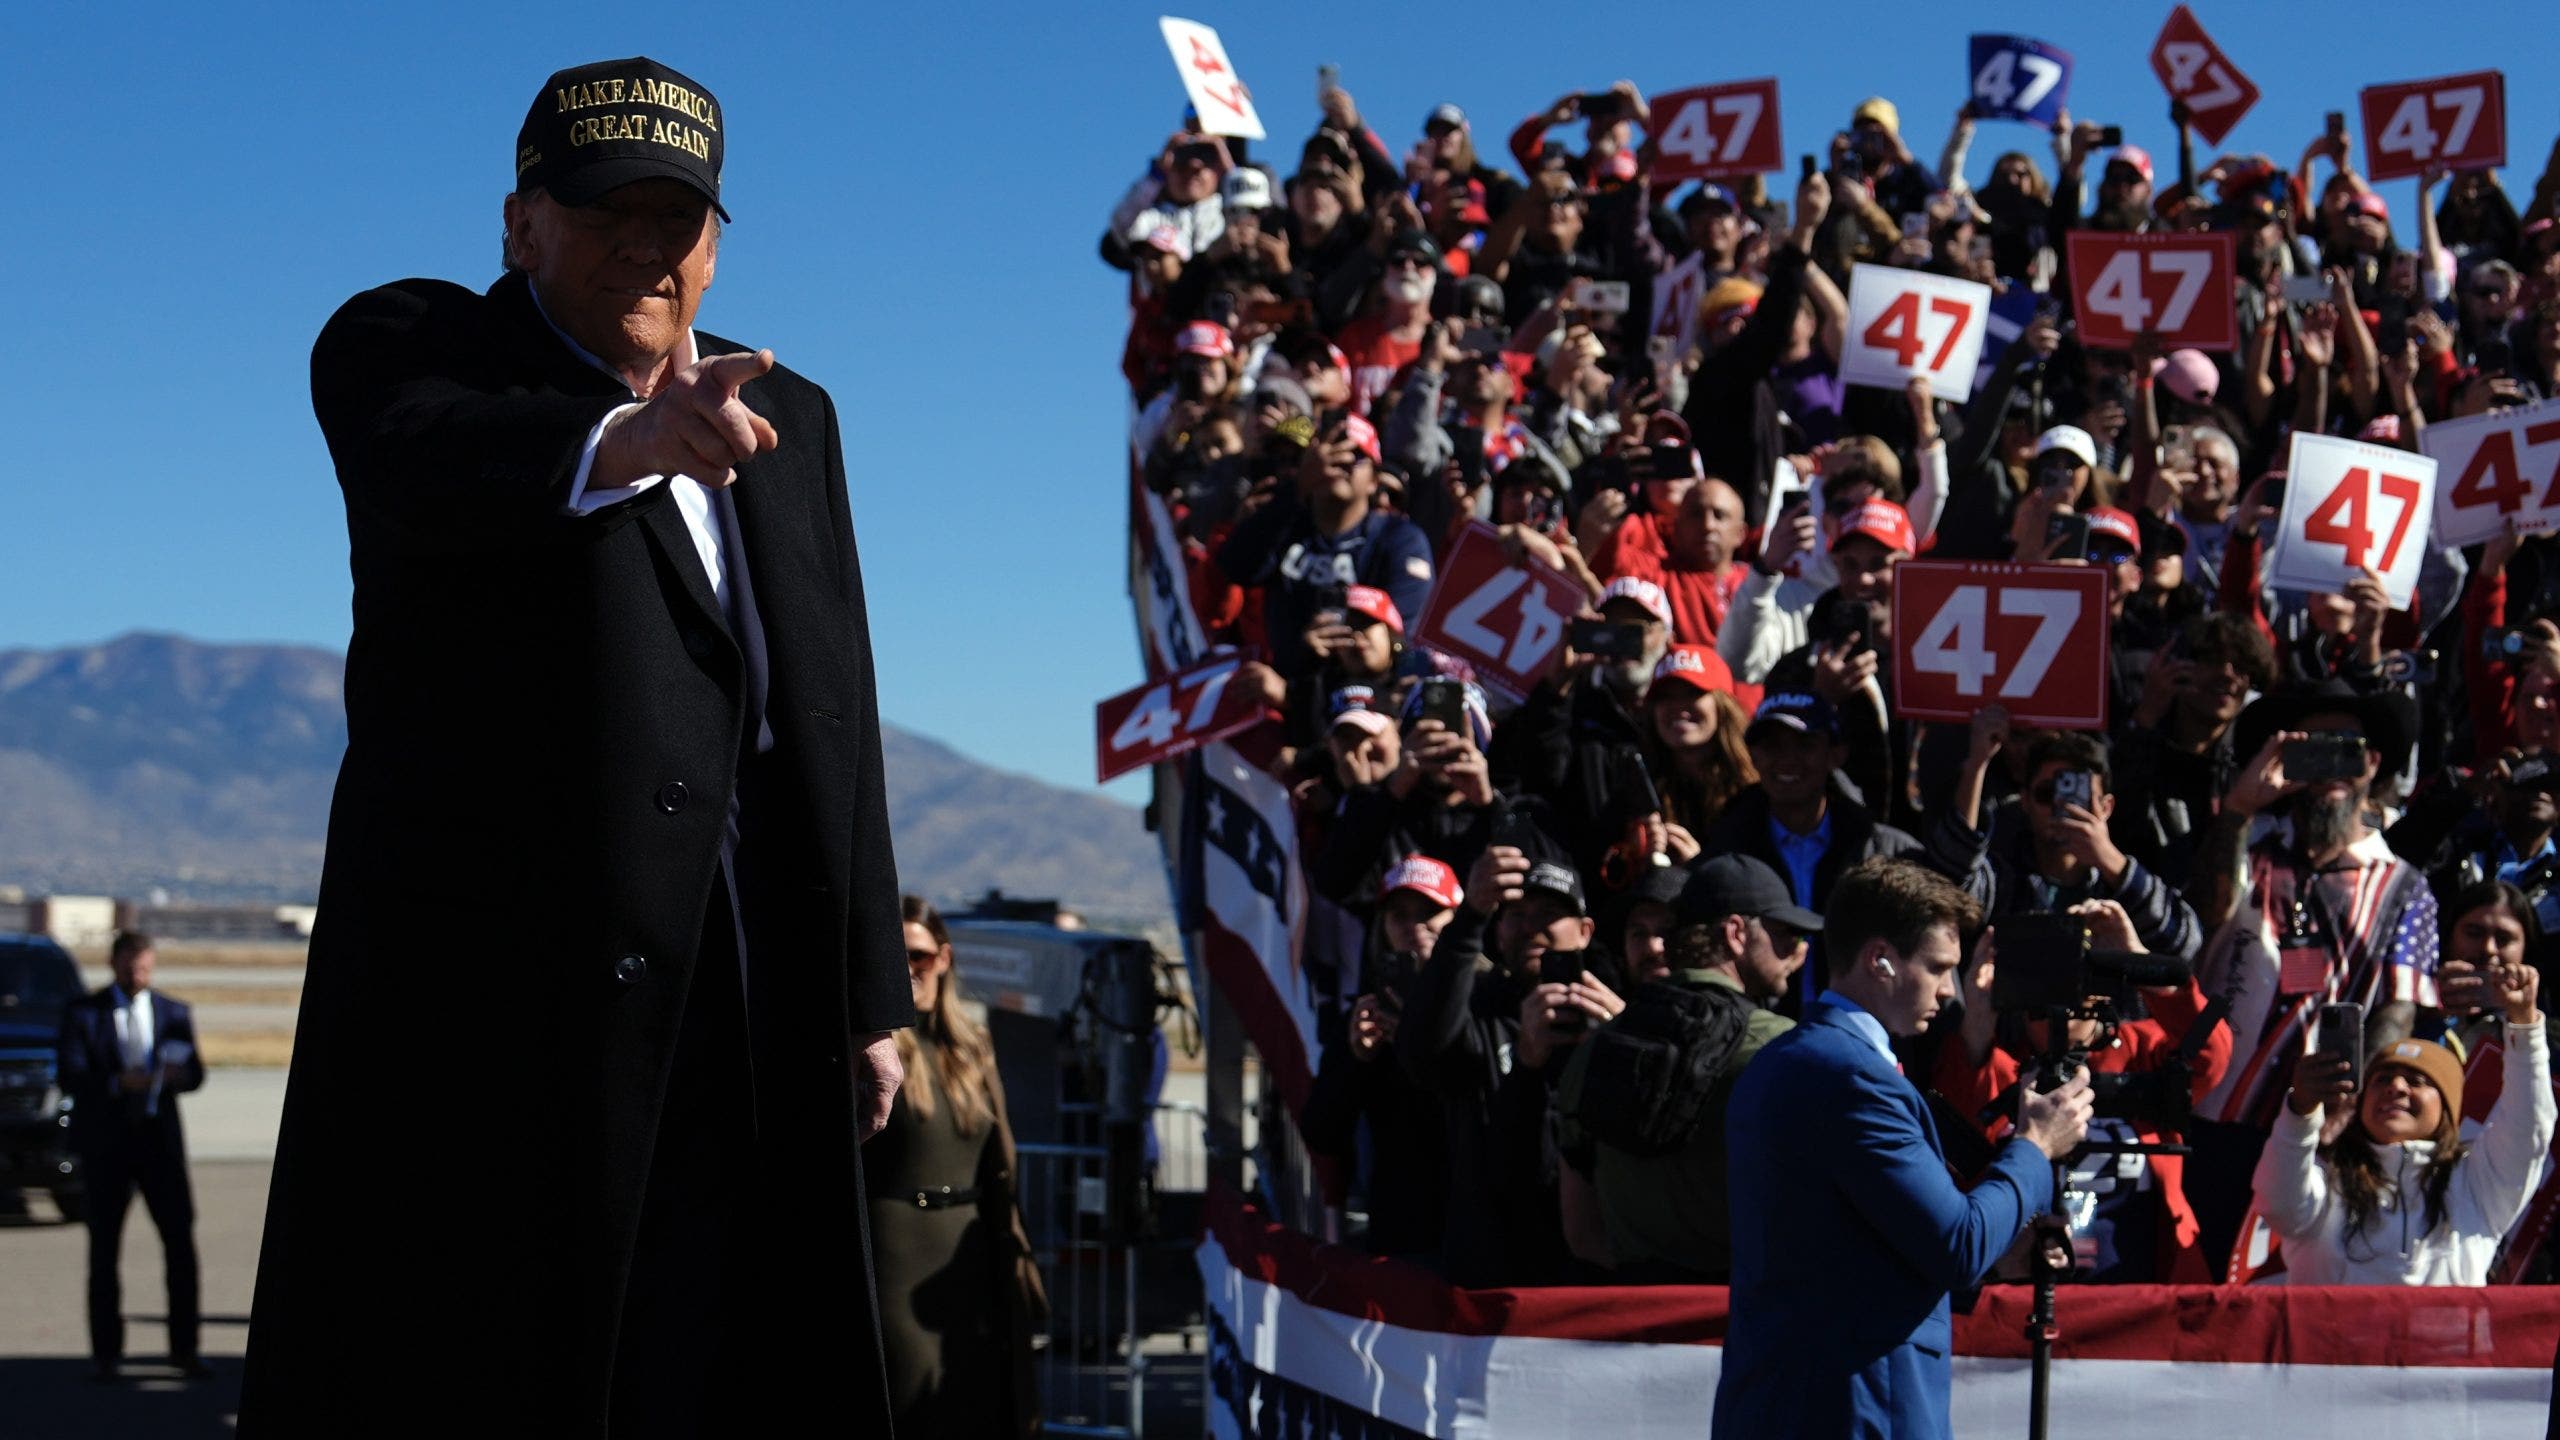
(600, 996)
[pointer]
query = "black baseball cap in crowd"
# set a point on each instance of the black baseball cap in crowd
(1740, 885)
(1557, 879)
(596, 127)
(1797, 710)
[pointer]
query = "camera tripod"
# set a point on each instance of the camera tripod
(2043, 1326)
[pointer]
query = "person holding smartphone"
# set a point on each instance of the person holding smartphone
(2050, 848)
(1402, 1171)
(2315, 910)
(2399, 1197)
(1484, 1020)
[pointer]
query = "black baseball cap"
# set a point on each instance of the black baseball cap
(1558, 879)
(598, 127)
(1740, 885)
(2534, 772)
(1415, 242)
(1798, 710)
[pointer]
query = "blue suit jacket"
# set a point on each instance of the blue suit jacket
(1848, 1236)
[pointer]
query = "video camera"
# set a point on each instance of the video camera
(2048, 970)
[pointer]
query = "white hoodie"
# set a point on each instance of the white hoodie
(2488, 1191)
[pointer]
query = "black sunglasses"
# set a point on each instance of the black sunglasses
(923, 957)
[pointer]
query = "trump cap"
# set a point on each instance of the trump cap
(598, 127)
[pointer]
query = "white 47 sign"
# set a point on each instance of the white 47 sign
(2032, 638)
(2504, 471)
(1905, 323)
(1224, 105)
(2350, 507)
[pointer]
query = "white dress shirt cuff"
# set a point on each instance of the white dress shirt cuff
(583, 501)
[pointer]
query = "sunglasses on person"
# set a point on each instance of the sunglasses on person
(1784, 939)
(2111, 554)
(1566, 201)
(918, 959)
(1408, 260)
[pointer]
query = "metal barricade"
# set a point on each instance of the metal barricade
(1093, 1224)
(1091, 1372)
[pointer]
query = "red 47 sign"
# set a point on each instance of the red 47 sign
(2458, 122)
(1179, 713)
(1716, 132)
(2348, 506)
(1506, 620)
(2179, 285)
(2032, 638)
(2504, 472)
(1904, 323)
(2194, 69)
(1224, 105)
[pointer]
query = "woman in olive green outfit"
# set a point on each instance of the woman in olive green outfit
(959, 1295)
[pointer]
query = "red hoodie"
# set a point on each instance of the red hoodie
(2140, 1045)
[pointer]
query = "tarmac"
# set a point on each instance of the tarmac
(46, 1391)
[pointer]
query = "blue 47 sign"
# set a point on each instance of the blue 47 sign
(2015, 78)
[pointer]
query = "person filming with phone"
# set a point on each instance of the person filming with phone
(1483, 1036)
(2318, 910)
(2050, 849)
(2400, 1198)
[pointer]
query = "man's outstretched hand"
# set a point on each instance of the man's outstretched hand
(695, 426)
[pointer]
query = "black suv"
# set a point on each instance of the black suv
(37, 979)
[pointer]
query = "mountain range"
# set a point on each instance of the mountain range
(154, 762)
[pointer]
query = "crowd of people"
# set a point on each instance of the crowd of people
(1550, 934)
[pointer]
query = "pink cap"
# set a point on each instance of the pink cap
(1205, 337)
(1884, 522)
(1424, 876)
(1643, 592)
(2189, 375)
(1376, 604)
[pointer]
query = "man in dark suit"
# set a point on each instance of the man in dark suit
(1848, 1234)
(601, 997)
(125, 1056)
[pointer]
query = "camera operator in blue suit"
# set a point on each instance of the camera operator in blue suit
(1848, 1233)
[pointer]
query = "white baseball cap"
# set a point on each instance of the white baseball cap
(1245, 188)
(2071, 438)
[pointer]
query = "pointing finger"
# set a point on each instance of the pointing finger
(731, 371)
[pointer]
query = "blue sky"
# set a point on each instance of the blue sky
(918, 190)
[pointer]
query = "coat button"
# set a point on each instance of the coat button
(672, 795)
(631, 969)
(697, 642)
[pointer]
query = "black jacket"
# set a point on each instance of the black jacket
(105, 1121)
(548, 713)
(1460, 1039)
(1856, 835)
